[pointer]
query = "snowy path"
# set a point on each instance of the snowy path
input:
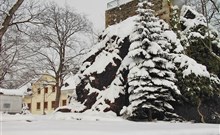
(48, 126)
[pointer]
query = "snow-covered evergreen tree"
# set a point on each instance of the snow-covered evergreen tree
(175, 18)
(151, 79)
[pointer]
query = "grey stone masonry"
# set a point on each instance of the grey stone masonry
(121, 12)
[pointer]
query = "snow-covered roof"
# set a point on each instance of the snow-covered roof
(25, 86)
(21, 91)
(11, 92)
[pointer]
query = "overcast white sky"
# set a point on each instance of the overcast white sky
(94, 9)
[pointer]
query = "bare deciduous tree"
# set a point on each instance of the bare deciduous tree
(15, 19)
(60, 45)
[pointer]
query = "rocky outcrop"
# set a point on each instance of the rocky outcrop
(103, 83)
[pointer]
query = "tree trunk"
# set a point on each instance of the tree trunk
(0, 58)
(58, 93)
(203, 7)
(200, 114)
(2, 77)
(150, 115)
(1, 36)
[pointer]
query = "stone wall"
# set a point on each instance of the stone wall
(118, 14)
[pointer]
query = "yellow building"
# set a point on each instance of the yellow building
(42, 99)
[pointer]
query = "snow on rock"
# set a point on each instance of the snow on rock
(69, 81)
(111, 93)
(99, 46)
(101, 62)
(122, 29)
(91, 89)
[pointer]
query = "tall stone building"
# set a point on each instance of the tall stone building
(119, 10)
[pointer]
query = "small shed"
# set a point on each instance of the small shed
(11, 101)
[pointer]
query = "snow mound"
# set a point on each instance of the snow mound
(16, 117)
(87, 116)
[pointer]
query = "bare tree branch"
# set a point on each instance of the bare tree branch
(7, 20)
(57, 32)
(15, 21)
(214, 4)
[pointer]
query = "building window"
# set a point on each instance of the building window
(64, 102)
(38, 105)
(53, 104)
(6, 105)
(46, 89)
(29, 106)
(45, 105)
(38, 91)
(54, 88)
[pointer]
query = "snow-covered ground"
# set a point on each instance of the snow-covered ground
(96, 124)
